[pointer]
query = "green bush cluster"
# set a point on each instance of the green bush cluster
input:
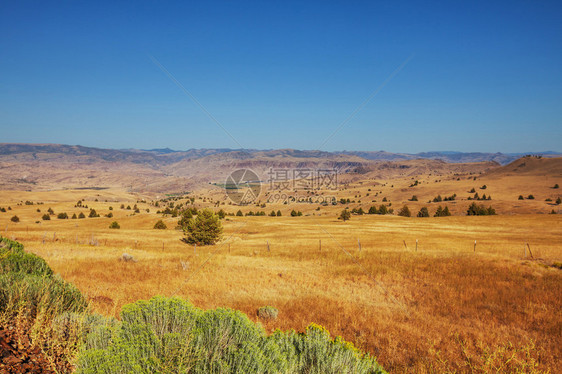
(171, 335)
(161, 335)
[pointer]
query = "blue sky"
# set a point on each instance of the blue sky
(481, 76)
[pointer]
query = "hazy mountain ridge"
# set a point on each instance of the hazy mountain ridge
(157, 157)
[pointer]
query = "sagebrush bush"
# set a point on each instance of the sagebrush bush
(171, 335)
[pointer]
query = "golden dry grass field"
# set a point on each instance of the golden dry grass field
(442, 307)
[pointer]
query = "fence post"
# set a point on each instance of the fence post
(530, 253)
(416, 245)
(405, 246)
(267, 241)
(474, 246)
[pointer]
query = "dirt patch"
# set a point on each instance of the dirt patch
(17, 355)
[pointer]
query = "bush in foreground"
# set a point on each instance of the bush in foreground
(171, 335)
(161, 335)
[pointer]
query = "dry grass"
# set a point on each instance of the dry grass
(441, 308)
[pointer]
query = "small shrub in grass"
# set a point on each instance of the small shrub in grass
(521, 197)
(556, 186)
(344, 215)
(160, 225)
(81, 215)
(114, 225)
(531, 197)
(268, 312)
(15, 219)
(46, 217)
(62, 216)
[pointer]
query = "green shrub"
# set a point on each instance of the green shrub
(15, 219)
(160, 225)
(46, 217)
(114, 225)
(62, 216)
(344, 215)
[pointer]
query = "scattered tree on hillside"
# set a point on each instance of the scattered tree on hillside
(556, 186)
(62, 216)
(81, 215)
(442, 212)
(558, 201)
(221, 213)
(405, 212)
(521, 197)
(46, 217)
(530, 197)
(114, 225)
(160, 225)
(278, 213)
(239, 213)
(15, 219)
(423, 212)
(480, 210)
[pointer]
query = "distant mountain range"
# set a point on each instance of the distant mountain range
(51, 166)
(168, 156)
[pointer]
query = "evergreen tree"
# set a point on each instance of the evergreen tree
(205, 229)
(405, 212)
(423, 212)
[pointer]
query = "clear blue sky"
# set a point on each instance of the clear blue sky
(484, 76)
